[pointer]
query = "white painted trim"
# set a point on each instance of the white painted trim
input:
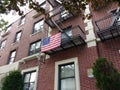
(90, 38)
(9, 67)
(37, 55)
(75, 60)
(32, 69)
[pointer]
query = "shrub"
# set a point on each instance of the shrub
(106, 75)
(13, 81)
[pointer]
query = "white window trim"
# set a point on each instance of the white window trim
(75, 60)
(32, 69)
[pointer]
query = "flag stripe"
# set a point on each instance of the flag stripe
(55, 42)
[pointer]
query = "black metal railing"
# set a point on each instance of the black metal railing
(58, 14)
(77, 37)
(108, 27)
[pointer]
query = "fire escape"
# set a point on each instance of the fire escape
(57, 16)
(109, 26)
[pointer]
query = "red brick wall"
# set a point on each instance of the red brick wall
(109, 49)
(86, 58)
(22, 46)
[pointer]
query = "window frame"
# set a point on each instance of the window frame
(35, 47)
(1, 44)
(69, 32)
(30, 72)
(63, 78)
(10, 57)
(36, 31)
(63, 13)
(67, 61)
(15, 39)
(32, 69)
(22, 20)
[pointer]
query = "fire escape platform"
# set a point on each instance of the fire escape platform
(77, 38)
(59, 15)
(108, 27)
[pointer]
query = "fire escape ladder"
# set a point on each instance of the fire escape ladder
(60, 29)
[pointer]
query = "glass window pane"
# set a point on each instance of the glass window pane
(13, 54)
(38, 26)
(3, 44)
(31, 86)
(68, 32)
(64, 13)
(26, 86)
(67, 71)
(12, 59)
(19, 35)
(38, 45)
(10, 62)
(32, 47)
(27, 77)
(33, 77)
(22, 21)
(68, 84)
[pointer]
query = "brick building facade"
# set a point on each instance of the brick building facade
(67, 67)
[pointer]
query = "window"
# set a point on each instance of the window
(68, 31)
(12, 57)
(2, 45)
(18, 36)
(38, 26)
(35, 47)
(22, 21)
(64, 13)
(115, 18)
(29, 80)
(67, 77)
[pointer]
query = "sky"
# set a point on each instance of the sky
(10, 17)
(13, 16)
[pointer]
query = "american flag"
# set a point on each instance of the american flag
(50, 43)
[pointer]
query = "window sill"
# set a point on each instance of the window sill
(35, 56)
(36, 33)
